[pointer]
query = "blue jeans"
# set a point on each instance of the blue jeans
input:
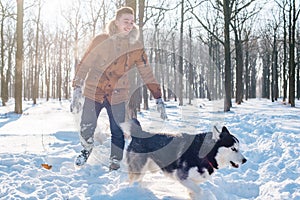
(88, 124)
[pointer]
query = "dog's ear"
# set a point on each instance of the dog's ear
(215, 133)
(224, 132)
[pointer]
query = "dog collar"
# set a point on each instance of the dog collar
(210, 164)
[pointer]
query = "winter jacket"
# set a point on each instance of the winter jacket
(105, 66)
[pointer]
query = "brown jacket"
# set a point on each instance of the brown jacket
(105, 68)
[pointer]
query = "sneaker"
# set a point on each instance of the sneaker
(82, 158)
(114, 164)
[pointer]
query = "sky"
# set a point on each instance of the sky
(51, 10)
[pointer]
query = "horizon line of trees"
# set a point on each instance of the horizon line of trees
(229, 52)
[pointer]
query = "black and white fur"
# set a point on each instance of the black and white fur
(190, 159)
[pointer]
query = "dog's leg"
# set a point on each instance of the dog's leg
(151, 166)
(136, 163)
(194, 190)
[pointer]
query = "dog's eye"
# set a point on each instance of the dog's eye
(234, 149)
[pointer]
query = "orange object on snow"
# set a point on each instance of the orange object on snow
(46, 166)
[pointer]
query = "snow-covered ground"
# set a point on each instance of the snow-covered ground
(47, 133)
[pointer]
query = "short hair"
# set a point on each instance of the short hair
(124, 10)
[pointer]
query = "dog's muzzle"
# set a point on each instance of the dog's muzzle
(236, 165)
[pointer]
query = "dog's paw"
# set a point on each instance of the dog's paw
(203, 195)
(196, 195)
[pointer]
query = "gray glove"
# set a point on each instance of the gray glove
(161, 108)
(76, 103)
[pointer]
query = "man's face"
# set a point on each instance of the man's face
(125, 23)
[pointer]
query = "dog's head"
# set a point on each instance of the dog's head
(228, 152)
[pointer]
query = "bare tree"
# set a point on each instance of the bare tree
(180, 64)
(136, 98)
(96, 9)
(19, 58)
(46, 44)
(282, 5)
(141, 25)
(274, 84)
(231, 15)
(293, 16)
(191, 70)
(11, 41)
(227, 9)
(77, 26)
(298, 64)
(239, 58)
(250, 49)
(7, 42)
(36, 72)
(158, 44)
(59, 67)
(239, 18)
(266, 56)
(67, 65)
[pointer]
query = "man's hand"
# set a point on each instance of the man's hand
(161, 108)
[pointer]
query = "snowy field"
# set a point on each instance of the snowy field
(47, 133)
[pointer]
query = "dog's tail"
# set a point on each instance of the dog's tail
(131, 127)
(134, 129)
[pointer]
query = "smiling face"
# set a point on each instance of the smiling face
(125, 23)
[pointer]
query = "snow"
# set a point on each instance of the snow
(269, 134)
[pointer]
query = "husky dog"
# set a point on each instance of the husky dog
(190, 159)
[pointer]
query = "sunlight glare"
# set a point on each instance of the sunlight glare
(52, 9)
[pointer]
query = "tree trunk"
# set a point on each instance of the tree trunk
(247, 71)
(210, 78)
(2, 64)
(135, 99)
(284, 57)
(253, 80)
(59, 68)
(266, 75)
(35, 88)
(227, 99)
(9, 68)
(191, 72)
(141, 24)
(292, 64)
(298, 66)
(275, 86)
(19, 58)
(239, 69)
(180, 64)
(175, 69)
(131, 3)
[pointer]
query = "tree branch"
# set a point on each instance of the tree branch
(207, 29)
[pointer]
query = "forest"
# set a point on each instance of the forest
(214, 49)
